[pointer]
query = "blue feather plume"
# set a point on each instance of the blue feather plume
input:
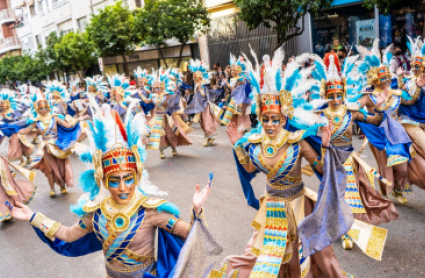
(410, 48)
(278, 79)
(168, 207)
(78, 208)
(99, 133)
(320, 71)
(88, 183)
(290, 82)
(86, 157)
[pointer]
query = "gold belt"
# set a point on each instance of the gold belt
(294, 182)
(285, 199)
(131, 268)
(139, 258)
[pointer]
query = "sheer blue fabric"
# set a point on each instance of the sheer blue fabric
(68, 136)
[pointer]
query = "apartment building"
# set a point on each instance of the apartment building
(9, 42)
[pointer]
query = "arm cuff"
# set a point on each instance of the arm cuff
(46, 225)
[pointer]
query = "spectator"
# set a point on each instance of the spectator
(399, 59)
(132, 81)
(342, 54)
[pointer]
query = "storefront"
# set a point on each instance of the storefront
(348, 23)
(345, 24)
(151, 59)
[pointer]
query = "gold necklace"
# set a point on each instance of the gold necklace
(336, 117)
(45, 119)
(119, 215)
(272, 145)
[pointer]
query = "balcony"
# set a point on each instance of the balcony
(9, 44)
(23, 29)
(7, 16)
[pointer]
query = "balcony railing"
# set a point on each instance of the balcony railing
(7, 14)
(9, 43)
(59, 3)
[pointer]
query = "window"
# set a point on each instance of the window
(38, 41)
(65, 27)
(32, 10)
(40, 5)
(82, 23)
(139, 3)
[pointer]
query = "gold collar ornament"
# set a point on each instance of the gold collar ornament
(336, 117)
(272, 146)
(119, 215)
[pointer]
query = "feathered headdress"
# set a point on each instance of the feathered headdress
(199, 69)
(37, 100)
(142, 74)
(417, 50)
(98, 83)
(121, 85)
(113, 147)
(159, 79)
(371, 64)
(23, 89)
(8, 100)
(55, 90)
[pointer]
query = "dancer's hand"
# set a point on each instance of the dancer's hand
(200, 198)
(383, 97)
(20, 212)
(326, 136)
(420, 82)
(234, 133)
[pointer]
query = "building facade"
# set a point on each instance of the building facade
(9, 42)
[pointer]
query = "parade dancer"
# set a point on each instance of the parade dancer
(202, 105)
(59, 136)
(20, 146)
(167, 127)
(389, 142)
(115, 215)
(58, 95)
(13, 190)
(144, 89)
(238, 108)
(287, 232)
(98, 88)
(412, 107)
(365, 202)
(121, 89)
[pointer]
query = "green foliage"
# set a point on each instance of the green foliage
(159, 21)
(112, 31)
(24, 68)
(75, 50)
(386, 6)
(280, 15)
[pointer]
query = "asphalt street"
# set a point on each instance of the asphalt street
(229, 217)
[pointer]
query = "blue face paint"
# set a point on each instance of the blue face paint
(114, 182)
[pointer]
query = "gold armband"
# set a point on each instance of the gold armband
(417, 93)
(200, 217)
(400, 82)
(46, 225)
(242, 155)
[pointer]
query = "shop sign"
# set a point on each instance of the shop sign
(365, 32)
(134, 57)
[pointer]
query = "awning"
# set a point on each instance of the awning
(12, 25)
(30, 3)
(20, 5)
(345, 2)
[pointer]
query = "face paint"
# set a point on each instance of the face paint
(122, 186)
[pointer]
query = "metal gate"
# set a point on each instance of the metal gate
(228, 34)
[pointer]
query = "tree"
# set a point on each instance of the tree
(385, 6)
(24, 68)
(179, 19)
(280, 15)
(50, 54)
(112, 32)
(76, 51)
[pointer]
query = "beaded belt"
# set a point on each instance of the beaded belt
(287, 183)
(132, 268)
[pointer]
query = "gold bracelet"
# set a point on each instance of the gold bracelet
(242, 156)
(400, 82)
